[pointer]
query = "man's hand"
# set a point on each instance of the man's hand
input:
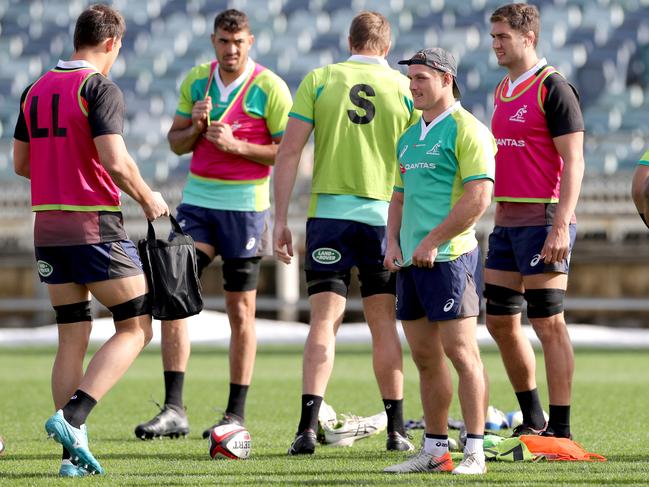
(282, 242)
(557, 245)
(392, 255)
(156, 207)
(220, 134)
(424, 255)
(200, 114)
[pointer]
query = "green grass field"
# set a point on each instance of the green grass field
(610, 417)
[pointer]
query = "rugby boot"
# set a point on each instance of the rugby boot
(170, 422)
(75, 440)
(304, 443)
(228, 418)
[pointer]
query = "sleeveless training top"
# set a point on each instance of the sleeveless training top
(528, 166)
(65, 170)
(209, 162)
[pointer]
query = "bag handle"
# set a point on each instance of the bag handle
(150, 234)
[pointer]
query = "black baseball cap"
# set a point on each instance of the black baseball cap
(439, 59)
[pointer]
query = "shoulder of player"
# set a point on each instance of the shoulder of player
(559, 86)
(199, 71)
(412, 130)
(97, 84)
(555, 80)
(468, 125)
(268, 80)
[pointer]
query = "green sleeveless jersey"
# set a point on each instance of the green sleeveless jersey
(358, 109)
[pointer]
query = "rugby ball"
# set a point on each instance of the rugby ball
(230, 441)
(515, 418)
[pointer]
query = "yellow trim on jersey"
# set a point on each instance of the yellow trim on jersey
(545, 76)
(75, 208)
(83, 83)
(510, 98)
(229, 181)
(526, 200)
(242, 92)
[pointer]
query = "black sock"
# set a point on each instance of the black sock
(237, 400)
(174, 388)
(66, 454)
(78, 408)
(310, 409)
(560, 420)
(394, 410)
(531, 408)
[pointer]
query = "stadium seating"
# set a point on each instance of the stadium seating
(601, 46)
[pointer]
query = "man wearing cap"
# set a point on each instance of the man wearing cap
(443, 184)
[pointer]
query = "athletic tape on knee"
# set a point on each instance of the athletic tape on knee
(543, 303)
(377, 282)
(202, 261)
(130, 309)
(503, 301)
(241, 274)
(322, 282)
(73, 313)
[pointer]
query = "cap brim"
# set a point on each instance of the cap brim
(456, 90)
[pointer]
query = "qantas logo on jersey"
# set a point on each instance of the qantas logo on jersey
(417, 165)
(510, 142)
(519, 116)
(434, 151)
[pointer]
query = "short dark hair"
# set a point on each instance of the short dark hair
(521, 17)
(96, 24)
(370, 31)
(231, 20)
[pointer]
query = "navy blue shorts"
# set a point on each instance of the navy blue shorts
(447, 291)
(518, 249)
(82, 264)
(234, 234)
(334, 246)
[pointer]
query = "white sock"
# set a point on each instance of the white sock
(474, 445)
(436, 446)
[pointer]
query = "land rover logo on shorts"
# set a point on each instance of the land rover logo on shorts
(449, 304)
(251, 243)
(535, 260)
(44, 269)
(326, 255)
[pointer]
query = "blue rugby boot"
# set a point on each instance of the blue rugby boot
(69, 469)
(75, 440)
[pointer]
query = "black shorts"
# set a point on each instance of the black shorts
(82, 264)
(335, 246)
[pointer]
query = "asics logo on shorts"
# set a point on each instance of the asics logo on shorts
(535, 260)
(251, 243)
(44, 269)
(449, 304)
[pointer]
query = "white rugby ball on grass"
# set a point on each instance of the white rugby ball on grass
(231, 441)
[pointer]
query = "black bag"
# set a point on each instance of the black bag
(171, 271)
